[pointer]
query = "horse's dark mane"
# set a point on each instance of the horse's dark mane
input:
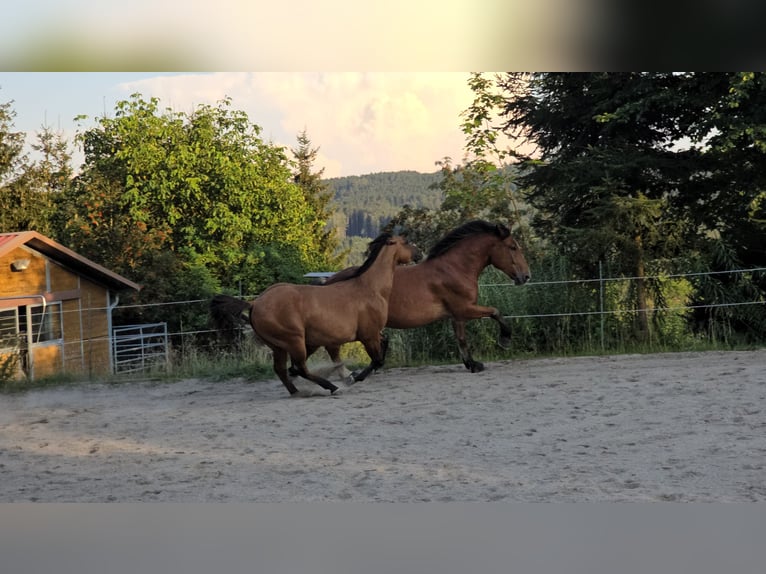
(374, 249)
(467, 230)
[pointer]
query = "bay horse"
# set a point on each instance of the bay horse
(446, 284)
(295, 320)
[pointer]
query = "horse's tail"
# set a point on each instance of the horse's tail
(229, 313)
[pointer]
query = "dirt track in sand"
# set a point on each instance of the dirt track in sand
(666, 427)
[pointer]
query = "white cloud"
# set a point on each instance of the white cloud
(362, 122)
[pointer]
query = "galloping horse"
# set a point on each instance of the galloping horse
(446, 284)
(295, 320)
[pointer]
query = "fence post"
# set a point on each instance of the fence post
(601, 302)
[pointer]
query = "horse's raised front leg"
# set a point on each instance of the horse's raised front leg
(465, 352)
(504, 339)
(477, 312)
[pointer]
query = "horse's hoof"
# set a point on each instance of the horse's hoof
(477, 367)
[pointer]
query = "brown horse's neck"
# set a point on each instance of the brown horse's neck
(470, 256)
(380, 275)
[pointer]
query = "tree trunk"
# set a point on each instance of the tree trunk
(642, 317)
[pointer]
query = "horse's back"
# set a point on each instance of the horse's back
(321, 314)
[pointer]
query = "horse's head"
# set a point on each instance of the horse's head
(406, 252)
(507, 256)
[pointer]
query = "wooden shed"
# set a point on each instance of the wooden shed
(55, 308)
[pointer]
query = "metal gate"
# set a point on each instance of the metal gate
(137, 348)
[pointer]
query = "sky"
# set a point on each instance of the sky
(362, 122)
(293, 35)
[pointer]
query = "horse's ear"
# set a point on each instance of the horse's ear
(502, 231)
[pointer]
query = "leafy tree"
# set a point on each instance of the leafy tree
(725, 200)
(476, 190)
(205, 183)
(603, 165)
(479, 189)
(173, 200)
(634, 168)
(727, 195)
(422, 226)
(95, 220)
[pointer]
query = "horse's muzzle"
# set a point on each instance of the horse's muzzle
(522, 278)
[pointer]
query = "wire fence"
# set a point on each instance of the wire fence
(485, 286)
(179, 335)
(530, 285)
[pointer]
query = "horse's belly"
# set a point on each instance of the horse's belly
(324, 335)
(402, 315)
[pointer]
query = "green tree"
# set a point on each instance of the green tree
(175, 200)
(725, 200)
(480, 189)
(727, 195)
(604, 166)
(483, 187)
(11, 144)
(12, 161)
(45, 180)
(634, 168)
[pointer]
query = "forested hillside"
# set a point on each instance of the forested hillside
(365, 203)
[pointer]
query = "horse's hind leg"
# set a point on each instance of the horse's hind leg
(300, 367)
(280, 368)
(465, 351)
(293, 370)
(376, 350)
(334, 353)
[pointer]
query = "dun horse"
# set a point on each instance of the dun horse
(295, 320)
(446, 284)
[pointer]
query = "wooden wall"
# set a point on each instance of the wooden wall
(95, 327)
(84, 321)
(27, 282)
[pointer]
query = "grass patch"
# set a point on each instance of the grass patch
(21, 385)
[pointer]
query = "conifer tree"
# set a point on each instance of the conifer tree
(318, 196)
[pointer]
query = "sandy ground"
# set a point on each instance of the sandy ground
(668, 427)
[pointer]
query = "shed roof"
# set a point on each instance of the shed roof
(65, 256)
